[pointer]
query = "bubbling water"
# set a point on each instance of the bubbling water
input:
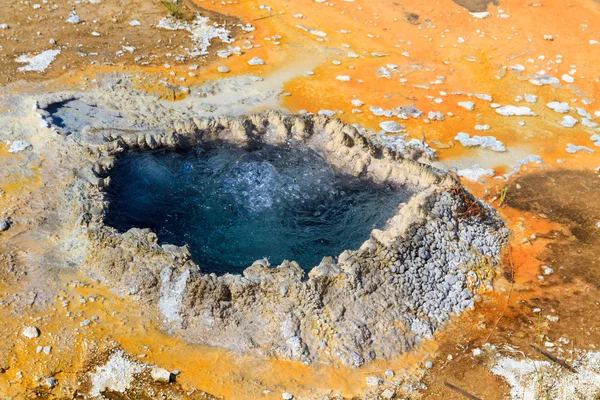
(233, 205)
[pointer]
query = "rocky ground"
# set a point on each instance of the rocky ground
(507, 105)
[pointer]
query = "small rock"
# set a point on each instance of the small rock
(51, 382)
(73, 18)
(223, 69)
(388, 394)
(389, 373)
(428, 364)
(161, 375)
(287, 396)
(391, 126)
(256, 61)
(4, 225)
(135, 22)
(31, 332)
(469, 105)
(18, 146)
(374, 380)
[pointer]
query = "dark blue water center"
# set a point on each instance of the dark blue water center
(234, 205)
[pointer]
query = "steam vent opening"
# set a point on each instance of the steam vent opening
(233, 205)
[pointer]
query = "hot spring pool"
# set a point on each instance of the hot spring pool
(233, 205)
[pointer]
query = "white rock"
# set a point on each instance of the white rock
(475, 173)
(587, 123)
(159, 374)
(571, 148)
(96, 34)
(31, 332)
(593, 41)
(485, 142)
(357, 103)
(469, 105)
(568, 121)
(135, 22)
(482, 127)
(515, 111)
(435, 116)
(392, 126)
(38, 63)
(374, 380)
(116, 375)
(568, 78)
(384, 73)
(51, 382)
(596, 139)
(256, 61)
(583, 113)
(18, 145)
(480, 15)
(223, 69)
(559, 107)
(530, 98)
(352, 55)
(485, 97)
(343, 78)
(4, 26)
(327, 113)
(287, 396)
(73, 18)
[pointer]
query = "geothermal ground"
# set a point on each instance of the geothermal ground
(299, 200)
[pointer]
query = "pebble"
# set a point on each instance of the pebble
(287, 396)
(428, 364)
(162, 375)
(223, 69)
(256, 61)
(469, 105)
(568, 121)
(391, 126)
(31, 332)
(374, 380)
(4, 225)
(51, 382)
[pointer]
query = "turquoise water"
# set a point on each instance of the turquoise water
(234, 205)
